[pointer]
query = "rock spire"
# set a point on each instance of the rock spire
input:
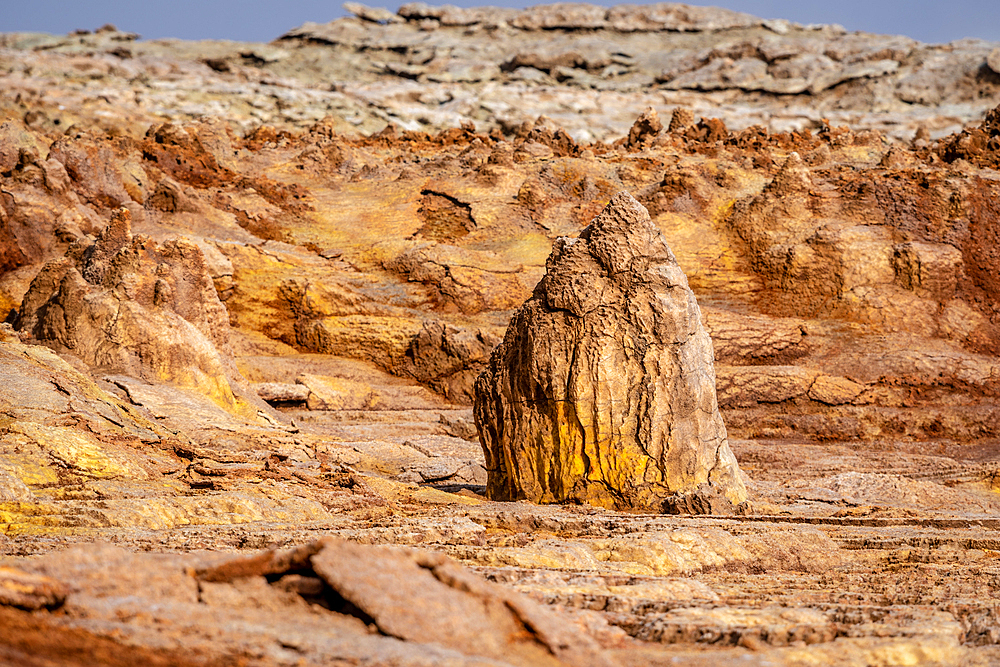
(603, 390)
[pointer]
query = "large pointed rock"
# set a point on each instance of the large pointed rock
(603, 390)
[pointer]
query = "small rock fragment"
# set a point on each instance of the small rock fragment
(56, 178)
(645, 129)
(682, 119)
(279, 393)
(835, 390)
(30, 591)
(373, 14)
(109, 243)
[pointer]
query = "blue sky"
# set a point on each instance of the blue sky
(929, 21)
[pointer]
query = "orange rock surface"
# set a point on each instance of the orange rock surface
(265, 378)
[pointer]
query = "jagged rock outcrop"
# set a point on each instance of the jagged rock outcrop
(645, 129)
(603, 390)
(903, 250)
(449, 359)
(334, 601)
(125, 304)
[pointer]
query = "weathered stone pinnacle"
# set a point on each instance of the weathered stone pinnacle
(603, 390)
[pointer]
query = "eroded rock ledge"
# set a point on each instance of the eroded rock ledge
(428, 68)
(125, 304)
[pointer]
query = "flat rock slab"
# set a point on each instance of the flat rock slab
(320, 602)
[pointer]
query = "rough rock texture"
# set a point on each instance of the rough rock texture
(372, 199)
(603, 390)
(125, 304)
(449, 359)
(883, 564)
(319, 603)
(593, 69)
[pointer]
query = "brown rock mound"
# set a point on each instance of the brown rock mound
(125, 304)
(980, 144)
(603, 390)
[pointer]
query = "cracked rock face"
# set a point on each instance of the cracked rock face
(128, 305)
(603, 390)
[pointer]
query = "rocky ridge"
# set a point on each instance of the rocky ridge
(592, 69)
(126, 305)
(846, 277)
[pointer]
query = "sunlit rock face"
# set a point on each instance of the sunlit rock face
(603, 390)
(128, 305)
